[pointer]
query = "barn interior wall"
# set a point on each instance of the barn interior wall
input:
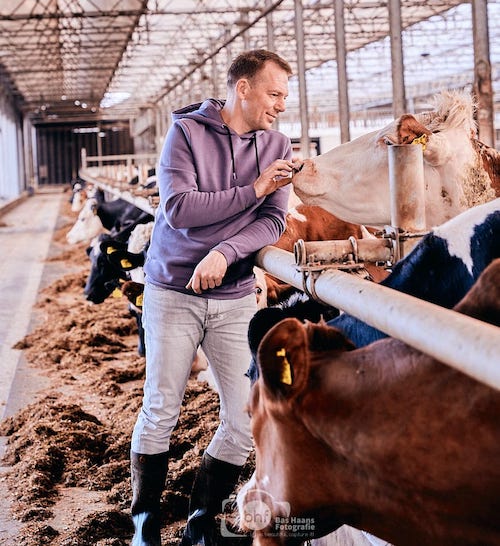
(59, 147)
(11, 170)
(144, 133)
(145, 143)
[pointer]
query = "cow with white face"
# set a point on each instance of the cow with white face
(98, 216)
(352, 180)
(88, 224)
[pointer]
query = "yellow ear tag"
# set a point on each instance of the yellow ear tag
(286, 370)
(125, 263)
(421, 140)
(110, 250)
(138, 300)
(117, 293)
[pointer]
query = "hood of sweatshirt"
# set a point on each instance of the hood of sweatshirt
(208, 112)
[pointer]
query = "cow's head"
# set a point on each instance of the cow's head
(104, 273)
(290, 484)
(87, 226)
(352, 180)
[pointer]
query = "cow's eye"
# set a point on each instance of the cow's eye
(388, 142)
(258, 291)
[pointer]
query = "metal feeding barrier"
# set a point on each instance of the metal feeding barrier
(465, 343)
(112, 173)
(314, 257)
(320, 269)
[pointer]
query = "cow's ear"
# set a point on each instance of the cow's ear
(108, 246)
(283, 358)
(410, 130)
(125, 260)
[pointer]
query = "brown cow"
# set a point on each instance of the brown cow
(490, 158)
(383, 438)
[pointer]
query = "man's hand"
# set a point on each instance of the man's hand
(208, 273)
(278, 174)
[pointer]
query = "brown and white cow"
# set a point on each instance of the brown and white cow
(352, 180)
(383, 438)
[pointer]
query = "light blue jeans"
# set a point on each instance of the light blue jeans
(175, 325)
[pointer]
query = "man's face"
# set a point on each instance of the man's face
(264, 97)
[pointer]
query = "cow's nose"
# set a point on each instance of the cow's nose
(93, 298)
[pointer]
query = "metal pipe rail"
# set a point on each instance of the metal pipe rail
(125, 163)
(140, 202)
(113, 172)
(338, 251)
(465, 343)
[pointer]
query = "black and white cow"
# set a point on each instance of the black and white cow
(150, 181)
(113, 257)
(117, 259)
(98, 216)
(440, 269)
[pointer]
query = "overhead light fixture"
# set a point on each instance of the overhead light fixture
(111, 99)
(86, 130)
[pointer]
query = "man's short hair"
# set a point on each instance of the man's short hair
(247, 64)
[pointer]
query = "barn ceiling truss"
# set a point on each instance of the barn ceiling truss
(114, 58)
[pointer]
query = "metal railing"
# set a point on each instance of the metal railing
(114, 173)
(467, 344)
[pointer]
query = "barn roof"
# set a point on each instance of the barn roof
(114, 58)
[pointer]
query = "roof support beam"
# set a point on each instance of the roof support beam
(340, 56)
(397, 65)
(301, 66)
(217, 50)
(482, 72)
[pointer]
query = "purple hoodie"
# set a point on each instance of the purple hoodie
(207, 200)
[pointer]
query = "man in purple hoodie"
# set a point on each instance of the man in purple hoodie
(223, 180)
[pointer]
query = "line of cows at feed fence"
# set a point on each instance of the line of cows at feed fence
(352, 426)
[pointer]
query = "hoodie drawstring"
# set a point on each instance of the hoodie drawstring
(254, 137)
(232, 151)
(233, 165)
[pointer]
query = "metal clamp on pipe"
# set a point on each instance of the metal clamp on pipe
(313, 257)
(342, 254)
(398, 236)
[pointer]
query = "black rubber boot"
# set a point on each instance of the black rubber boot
(148, 473)
(213, 484)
